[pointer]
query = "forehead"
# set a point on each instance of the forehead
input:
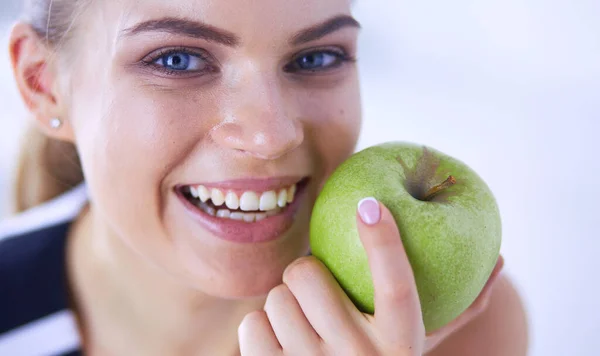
(248, 18)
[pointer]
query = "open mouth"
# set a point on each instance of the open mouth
(242, 205)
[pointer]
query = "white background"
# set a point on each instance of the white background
(510, 87)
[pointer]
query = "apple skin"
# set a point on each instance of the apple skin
(452, 241)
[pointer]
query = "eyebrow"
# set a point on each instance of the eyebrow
(185, 27)
(323, 29)
(180, 26)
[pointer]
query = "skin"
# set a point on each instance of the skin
(148, 280)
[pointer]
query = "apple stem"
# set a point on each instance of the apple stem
(438, 188)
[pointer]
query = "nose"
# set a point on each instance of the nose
(256, 120)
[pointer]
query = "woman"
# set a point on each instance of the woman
(204, 131)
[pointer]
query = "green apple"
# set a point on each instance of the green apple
(447, 216)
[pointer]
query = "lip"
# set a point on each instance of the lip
(266, 230)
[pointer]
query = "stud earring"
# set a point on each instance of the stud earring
(55, 123)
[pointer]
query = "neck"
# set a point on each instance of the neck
(128, 306)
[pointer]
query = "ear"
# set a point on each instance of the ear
(35, 71)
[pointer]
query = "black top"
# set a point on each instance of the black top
(35, 317)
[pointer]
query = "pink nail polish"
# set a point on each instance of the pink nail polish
(369, 211)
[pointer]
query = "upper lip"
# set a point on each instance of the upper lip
(253, 184)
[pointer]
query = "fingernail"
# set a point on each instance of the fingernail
(369, 211)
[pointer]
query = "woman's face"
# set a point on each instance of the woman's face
(197, 120)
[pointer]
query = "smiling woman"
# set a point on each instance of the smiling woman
(167, 189)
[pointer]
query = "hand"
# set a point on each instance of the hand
(309, 314)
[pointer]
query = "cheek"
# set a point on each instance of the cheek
(129, 147)
(143, 139)
(335, 127)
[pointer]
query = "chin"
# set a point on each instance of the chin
(246, 274)
(232, 270)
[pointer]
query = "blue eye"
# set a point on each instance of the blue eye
(317, 60)
(181, 62)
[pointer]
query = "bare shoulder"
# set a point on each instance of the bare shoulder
(500, 331)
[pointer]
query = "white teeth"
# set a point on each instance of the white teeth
(232, 201)
(255, 207)
(291, 193)
(223, 213)
(268, 201)
(217, 197)
(282, 198)
(249, 201)
(203, 193)
(237, 216)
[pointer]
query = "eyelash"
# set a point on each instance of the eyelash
(341, 55)
(150, 60)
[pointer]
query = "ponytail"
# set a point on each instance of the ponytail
(46, 169)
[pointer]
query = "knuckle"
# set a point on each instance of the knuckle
(302, 269)
(397, 292)
(254, 319)
(481, 306)
(253, 324)
(278, 296)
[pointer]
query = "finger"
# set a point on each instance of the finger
(475, 309)
(325, 305)
(480, 303)
(256, 337)
(398, 316)
(292, 329)
(483, 299)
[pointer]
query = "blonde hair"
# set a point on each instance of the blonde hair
(47, 167)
